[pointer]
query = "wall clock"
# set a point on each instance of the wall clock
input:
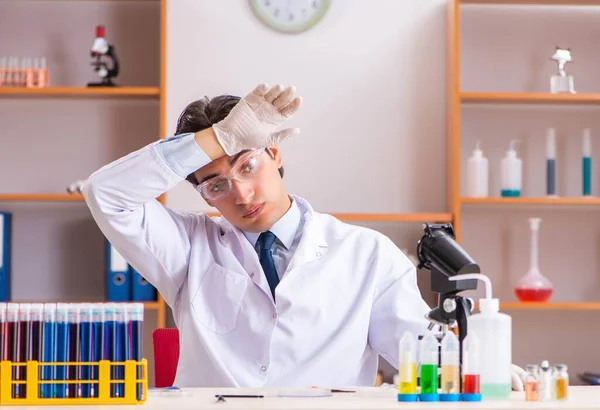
(290, 16)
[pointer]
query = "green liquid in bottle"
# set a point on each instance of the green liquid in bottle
(429, 379)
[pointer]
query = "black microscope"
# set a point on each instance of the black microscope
(100, 50)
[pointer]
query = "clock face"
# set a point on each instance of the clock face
(290, 16)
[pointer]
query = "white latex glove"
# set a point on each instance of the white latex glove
(252, 122)
(518, 376)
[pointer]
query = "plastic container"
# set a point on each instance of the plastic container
(551, 163)
(470, 368)
(586, 163)
(477, 174)
(407, 369)
(534, 287)
(429, 360)
(511, 173)
(494, 334)
(450, 380)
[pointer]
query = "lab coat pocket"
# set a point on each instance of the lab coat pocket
(218, 298)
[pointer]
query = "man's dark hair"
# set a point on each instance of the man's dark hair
(202, 114)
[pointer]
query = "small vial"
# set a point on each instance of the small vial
(545, 378)
(429, 368)
(407, 383)
(561, 378)
(532, 383)
(450, 383)
(471, 370)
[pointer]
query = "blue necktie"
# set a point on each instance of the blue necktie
(266, 240)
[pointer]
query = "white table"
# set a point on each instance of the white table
(580, 397)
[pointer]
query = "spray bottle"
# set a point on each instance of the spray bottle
(494, 334)
(511, 173)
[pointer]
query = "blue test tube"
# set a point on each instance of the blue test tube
(74, 353)
(86, 346)
(49, 350)
(98, 344)
(62, 347)
(135, 318)
(111, 347)
(121, 350)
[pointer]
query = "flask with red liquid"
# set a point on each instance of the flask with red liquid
(534, 287)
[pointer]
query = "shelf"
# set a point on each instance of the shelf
(550, 305)
(41, 198)
(531, 201)
(530, 98)
(535, 3)
(417, 217)
(82, 91)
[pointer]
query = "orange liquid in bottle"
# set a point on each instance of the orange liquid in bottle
(531, 391)
(561, 389)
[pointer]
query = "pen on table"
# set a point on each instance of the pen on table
(244, 396)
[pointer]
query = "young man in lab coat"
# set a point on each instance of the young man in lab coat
(274, 293)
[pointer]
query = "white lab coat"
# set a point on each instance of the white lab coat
(348, 294)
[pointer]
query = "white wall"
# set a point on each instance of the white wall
(372, 75)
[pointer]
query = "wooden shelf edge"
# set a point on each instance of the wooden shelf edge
(82, 91)
(364, 217)
(528, 98)
(550, 305)
(535, 2)
(41, 198)
(531, 201)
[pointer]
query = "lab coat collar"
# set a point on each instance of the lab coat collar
(312, 245)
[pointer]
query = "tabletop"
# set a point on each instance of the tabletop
(371, 398)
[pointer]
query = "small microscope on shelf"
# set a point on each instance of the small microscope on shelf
(439, 253)
(101, 51)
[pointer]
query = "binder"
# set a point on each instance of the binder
(117, 276)
(5, 255)
(141, 289)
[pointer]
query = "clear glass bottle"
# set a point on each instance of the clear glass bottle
(534, 287)
(532, 383)
(561, 381)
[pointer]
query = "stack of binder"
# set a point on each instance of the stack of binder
(123, 282)
(5, 252)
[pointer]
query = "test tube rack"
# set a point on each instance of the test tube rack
(135, 391)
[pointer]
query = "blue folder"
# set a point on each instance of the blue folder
(117, 276)
(5, 255)
(141, 289)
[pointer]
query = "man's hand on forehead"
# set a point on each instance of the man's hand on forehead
(253, 121)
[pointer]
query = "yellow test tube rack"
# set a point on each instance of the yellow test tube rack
(132, 386)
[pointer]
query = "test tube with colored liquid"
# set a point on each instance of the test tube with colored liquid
(49, 350)
(135, 319)
(98, 344)
(429, 368)
(62, 347)
(407, 383)
(13, 342)
(450, 381)
(3, 333)
(25, 345)
(112, 347)
(36, 351)
(470, 368)
(74, 390)
(85, 334)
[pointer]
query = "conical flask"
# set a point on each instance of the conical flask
(534, 287)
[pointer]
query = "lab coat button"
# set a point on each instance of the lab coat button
(274, 315)
(264, 368)
(319, 254)
(252, 275)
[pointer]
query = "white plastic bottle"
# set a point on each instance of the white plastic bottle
(477, 174)
(494, 332)
(511, 173)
